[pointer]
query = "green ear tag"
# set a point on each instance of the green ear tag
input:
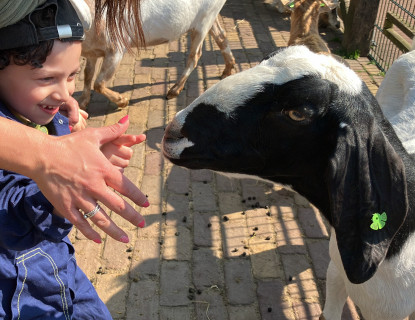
(379, 221)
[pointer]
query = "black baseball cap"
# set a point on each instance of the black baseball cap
(54, 19)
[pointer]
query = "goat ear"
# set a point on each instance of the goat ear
(366, 177)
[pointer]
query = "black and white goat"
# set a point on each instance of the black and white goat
(306, 120)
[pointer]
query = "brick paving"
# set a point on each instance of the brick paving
(214, 247)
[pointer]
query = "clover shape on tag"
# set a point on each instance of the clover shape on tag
(378, 221)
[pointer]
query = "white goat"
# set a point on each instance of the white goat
(304, 25)
(308, 121)
(396, 97)
(162, 21)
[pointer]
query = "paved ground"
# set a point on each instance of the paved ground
(208, 251)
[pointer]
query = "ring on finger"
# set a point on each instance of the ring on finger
(92, 213)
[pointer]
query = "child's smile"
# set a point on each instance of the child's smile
(37, 93)
(52, 110)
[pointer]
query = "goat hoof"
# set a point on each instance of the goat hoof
(226, 73)
(172, 94)
(122, 102)
(83, 107)
(83, 103)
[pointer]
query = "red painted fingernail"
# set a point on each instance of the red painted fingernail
(97, 240)
(124, 239)
(124, 119)
(142, 224)
(70, 128)
(145, 204)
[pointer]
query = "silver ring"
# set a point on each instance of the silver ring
(92, 213)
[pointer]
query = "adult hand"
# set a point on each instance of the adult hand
(76, 174)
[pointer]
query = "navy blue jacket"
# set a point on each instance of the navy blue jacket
(39, 277)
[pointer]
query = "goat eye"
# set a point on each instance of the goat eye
(296, 115)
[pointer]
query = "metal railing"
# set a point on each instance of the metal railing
(393, 32)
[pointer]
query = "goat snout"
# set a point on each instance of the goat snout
(174, 142)
(173, 131)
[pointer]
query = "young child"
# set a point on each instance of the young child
(39, 277)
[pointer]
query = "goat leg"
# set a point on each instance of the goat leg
(194, 56)
(109, 65)
(88, 75)
(219, 35)
(336, 295)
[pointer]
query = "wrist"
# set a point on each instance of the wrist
(23, 149)
(37, 154)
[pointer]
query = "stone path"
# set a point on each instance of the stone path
(214, 247)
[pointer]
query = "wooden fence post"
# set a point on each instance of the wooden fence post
(359, 20)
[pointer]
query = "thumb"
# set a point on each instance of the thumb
(112, 132)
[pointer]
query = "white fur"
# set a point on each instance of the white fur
(162, 21)
(388, 295)
(289, 64)
(396, 96)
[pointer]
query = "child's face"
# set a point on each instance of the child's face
(37, 93)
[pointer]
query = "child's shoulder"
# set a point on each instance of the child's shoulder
(61, 124)
(4, 112)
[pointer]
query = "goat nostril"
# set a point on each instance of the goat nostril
(173, 135)
(173, 132)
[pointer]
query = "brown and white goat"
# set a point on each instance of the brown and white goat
(162, 21)
(304, 25)
(328, 13)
